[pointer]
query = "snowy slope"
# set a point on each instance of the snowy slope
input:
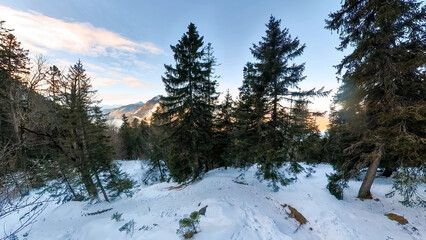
(235, 211)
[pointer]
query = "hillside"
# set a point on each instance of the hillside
(126, 109)
(140, 110)
(239, 206)
(145, 111)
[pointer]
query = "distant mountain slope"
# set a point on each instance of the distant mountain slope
(119, 111)
(140, 110)
(145, 111)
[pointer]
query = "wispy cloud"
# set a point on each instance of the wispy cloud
(102, 78)
(94, 67)
(144, 65)
(134, 82)
(116, 78)
(40, 33)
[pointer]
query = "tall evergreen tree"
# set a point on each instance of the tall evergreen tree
(272, 79)
(222, 141)
(250, 116)
(308, 145)
(78, 103)
(387, 64)
(189, 106)
(126, 134)
(81, 136)
(14, 64)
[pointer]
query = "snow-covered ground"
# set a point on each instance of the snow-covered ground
(238, 208)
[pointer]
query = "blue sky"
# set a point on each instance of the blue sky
(124, 44)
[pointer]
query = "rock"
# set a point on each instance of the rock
(203, 210)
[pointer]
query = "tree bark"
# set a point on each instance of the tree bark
(102, 187)
(69, 185)
(88, 183)
(197, 162)
(364, 191)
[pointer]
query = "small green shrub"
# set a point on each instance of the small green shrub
(117, 217)
(336, 185)
(118, 183)
(129, 227)
(189, 226)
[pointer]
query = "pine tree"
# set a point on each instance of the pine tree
(308, 145)
(261, 114)
(223, 132)
(387, 64)
(154, 148)
(78, 100)
(126, 134)
(81, 136)
(249, 115)
(14, 63)
(188, 106)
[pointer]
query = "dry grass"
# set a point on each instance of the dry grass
(188, 235)
(396, 217)
(177, 187)
(295, 214)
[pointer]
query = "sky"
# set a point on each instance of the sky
(124, 44)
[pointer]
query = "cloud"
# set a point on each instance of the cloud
(115, 78)
(39, 32)
(134, 82)
(94, 67)
(102, 81)
(144, 65)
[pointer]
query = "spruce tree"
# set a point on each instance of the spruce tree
(126, 134)
(78, 101)
(249, 118)
(154, 148)
(14, 64)
(262, 116)
(308, 145)
(223, 132)
(81, 136)
(188, 106)
(387, 64)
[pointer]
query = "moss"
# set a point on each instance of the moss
(396, 217)
(295, 214)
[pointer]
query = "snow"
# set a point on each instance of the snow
(235, 211)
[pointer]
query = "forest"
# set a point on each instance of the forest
(54, 135)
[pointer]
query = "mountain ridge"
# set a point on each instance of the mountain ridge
(140, 111)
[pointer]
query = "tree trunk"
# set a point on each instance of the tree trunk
(88, 183)
(14, 115)
(364, 191)
(160, 170)
(69, 185)
(102, 187)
